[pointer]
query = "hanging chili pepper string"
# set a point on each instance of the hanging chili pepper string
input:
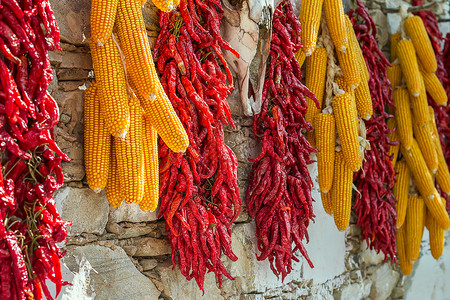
(375, 202)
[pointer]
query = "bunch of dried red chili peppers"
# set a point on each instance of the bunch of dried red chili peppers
(30, 225)
(279, 191)
(442, 113)
(199, 193)
(374, 201)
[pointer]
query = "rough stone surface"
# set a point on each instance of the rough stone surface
(148, 264)
(87, 210)
(152, 247)
(130, 213)
(384, 281)
(112, 275)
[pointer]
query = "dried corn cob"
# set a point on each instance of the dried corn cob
(394, 74)
(310, 14)
(414, 223)
(164, 5)
(97, 141)
(363, 72)
(151, 184)
(114, 190)
(130, 159)
(300, 56)
(410, 68)
(364, 101)
(423, 138)
(339, 80)
(349, 66)
(111, 87)
(403, 117)
(103, 16)
(316, 68)
(344, 108)
(325, 125)
(434, 88)
(334, 15)
(419, 106)
(341, 192)
(419, 37)
(442, 174)
(393, 137)
(405, 265)
(400, 191)
(424, 182)
(436, 236)
(327, 203)
(395, 38)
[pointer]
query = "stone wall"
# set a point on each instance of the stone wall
(124, 253)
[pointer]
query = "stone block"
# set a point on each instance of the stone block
(131, 213)
(152, 247)
(384, 281)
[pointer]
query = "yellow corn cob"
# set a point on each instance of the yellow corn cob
(393, 137)
(103, 15)
(410, 68)
(316, 69)
(339, 80)
(341, 192)
(363, 72)
(400, 191)
(419, 106)
(310, 14)
(403, 117)
(405, 265)
(442, 174)
(344, 108)
(395, 38)
(434, 88)
(334, 15)
(300, 56)
(417, 32)
(349, 66)
(414, 226)
(114, 189)
(151, 185)
(436, 236)
(111, 87)
(327, 203)
(424, 182)
(325, 140)
(97, 141)
(136, 48)
(364, 100)
(143, 2)
(423, 138)
(164, 5)
(394, 74)
(432, 123)
(130, 159)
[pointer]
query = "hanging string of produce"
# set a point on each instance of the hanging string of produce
(279, 192)
(30, 225)
(375, 204)
(421, 157)
(199, 192)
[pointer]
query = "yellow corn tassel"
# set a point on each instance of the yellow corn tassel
(393, 137)
(114, 188)
(395, 38)
(423, 138)
(349, 66)
(410, 68)
(325, 126)
(97, 141)
(103, 16)
(341, 192)
(419, 106)
(419, 37)
(316, 69)
(405, 265)
(151, 185)
(310, 14)
(400, 191)
(364, 101)
(300, 56)
(424, 182)
(335, 17)
(327, 203)
(344, 108)
(414, 223)
(136, 48)
(363, 72)
(434, 88)
(130, 159)
(403, 117)
(111, 87)
(436, 236)
(394, 74)
(442, 174)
